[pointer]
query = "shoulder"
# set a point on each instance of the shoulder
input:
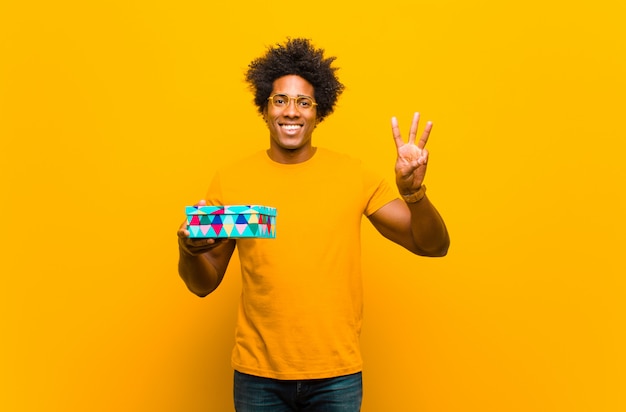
(338, 158)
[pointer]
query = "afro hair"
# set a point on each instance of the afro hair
(295, 57)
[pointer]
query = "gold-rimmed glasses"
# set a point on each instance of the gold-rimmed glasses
(283, 100)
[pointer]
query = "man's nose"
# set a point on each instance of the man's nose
(292, 108)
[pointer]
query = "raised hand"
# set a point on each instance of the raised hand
(412, 158)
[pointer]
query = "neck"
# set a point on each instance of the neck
(291, 156)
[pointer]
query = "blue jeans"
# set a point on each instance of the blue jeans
(257, 394)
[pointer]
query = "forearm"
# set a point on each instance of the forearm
(200, 276)
(428, 229)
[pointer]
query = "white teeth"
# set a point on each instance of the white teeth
(291, 126)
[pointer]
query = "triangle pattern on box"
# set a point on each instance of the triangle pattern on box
(232, 221)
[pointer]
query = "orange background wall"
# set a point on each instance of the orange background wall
(114, 115)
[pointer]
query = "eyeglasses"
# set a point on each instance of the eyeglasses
(283, 100)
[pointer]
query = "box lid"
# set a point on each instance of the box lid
(230, 210)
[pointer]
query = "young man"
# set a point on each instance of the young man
(297, 338)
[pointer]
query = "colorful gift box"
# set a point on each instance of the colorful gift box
(233, 221)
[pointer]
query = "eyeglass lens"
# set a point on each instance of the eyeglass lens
(282, 100)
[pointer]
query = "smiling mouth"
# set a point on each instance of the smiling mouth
(290, 127)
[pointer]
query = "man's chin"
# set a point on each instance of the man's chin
(291, 144)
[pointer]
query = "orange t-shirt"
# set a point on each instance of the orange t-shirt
(301, 303)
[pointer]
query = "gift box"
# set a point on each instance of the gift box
(232, 221)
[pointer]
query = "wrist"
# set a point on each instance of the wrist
(416, 196)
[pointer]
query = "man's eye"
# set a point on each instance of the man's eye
(280, 100)
(304, 103)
